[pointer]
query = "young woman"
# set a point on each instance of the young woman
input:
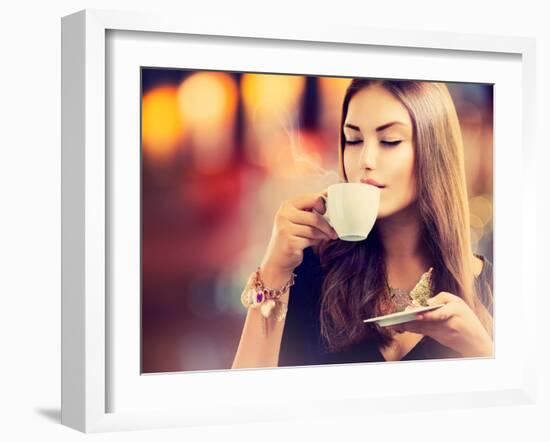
(404, 137)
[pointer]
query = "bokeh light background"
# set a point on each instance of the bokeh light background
(220, 152)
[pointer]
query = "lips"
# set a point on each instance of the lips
(372, 182)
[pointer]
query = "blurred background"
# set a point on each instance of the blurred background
(220, 151)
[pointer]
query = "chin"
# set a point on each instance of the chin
(383, 211)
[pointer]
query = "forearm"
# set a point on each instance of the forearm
(260, 341)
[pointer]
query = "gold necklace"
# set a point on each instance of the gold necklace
(417, 297)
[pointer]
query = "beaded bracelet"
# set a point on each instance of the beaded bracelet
(257, 295)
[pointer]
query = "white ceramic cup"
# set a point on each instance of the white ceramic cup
(351, 209)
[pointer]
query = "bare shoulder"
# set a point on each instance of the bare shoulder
(477, 264)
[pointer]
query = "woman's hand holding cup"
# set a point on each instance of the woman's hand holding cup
(298, 224)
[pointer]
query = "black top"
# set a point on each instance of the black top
(301, 342)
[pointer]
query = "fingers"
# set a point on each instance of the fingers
(442, 298)
(424, 328)
(397, 328)
(312, 219)
(320, 206)
(410, 326)
(310, 201)
(308, 232)
(306, 211)
(441, 314)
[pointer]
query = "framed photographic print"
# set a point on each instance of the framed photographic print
(254, 218)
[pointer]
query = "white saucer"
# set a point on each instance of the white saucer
(401, 317)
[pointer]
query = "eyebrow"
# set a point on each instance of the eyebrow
(378, 129)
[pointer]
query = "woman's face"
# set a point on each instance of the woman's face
(379, 145)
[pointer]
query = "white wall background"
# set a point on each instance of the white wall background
(30, 216)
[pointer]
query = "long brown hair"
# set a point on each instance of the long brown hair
(354, 282)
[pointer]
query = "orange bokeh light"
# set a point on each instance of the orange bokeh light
(334, 88)
(271, 95)
(207, 98)
(162, 125)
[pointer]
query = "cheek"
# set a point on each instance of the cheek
(402, 191)
(405, 186)
(401, 169)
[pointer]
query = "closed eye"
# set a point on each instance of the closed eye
(386, 143)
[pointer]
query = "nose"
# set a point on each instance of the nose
(369, 156)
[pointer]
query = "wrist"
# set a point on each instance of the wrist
(274, 277)
(482, 348)
(271, 302)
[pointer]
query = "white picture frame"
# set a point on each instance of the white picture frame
(89, 360)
